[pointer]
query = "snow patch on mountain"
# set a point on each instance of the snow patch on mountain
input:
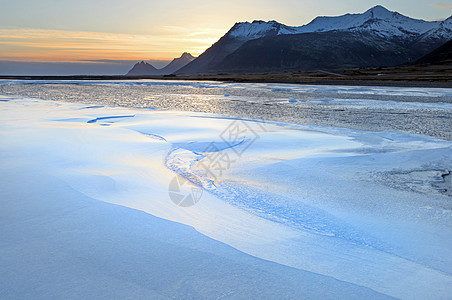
(443, 31)
(378, 20)
(254, 30)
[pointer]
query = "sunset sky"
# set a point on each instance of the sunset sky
(119, 31)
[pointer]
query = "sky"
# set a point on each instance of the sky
(108, 36)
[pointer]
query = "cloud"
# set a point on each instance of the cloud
(442, 6)
(66, 45)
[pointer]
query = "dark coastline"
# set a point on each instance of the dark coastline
(407, 76)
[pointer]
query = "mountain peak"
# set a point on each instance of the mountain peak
(378, 20)
(187, 55)
(254, 30)
(380, 12)
(379, 9)
(143, 68)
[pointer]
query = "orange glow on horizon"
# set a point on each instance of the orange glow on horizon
(76, 46)
(72, 31)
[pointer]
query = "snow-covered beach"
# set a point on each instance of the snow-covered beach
(101, 201)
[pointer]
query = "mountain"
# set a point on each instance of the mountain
(377, 20)
(144, 68)
(377, 37)
(440, 56)
(318, 50)
(177, 63)
(442, 31)
(239, 34)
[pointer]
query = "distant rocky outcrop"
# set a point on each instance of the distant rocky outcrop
(144, 68)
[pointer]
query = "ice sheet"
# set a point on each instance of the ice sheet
(371, 209)
(378, 104)
(274, 87)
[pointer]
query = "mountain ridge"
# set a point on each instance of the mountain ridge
(377, 22)
(143, 68)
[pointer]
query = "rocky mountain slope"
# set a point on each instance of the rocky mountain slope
(440, 56)
(144, 68)
(377, 37)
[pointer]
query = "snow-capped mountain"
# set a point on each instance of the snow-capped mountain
(378, 20)
(391, 33)
(442, 31)
(258, 29)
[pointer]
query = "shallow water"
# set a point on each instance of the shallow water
(426, 111)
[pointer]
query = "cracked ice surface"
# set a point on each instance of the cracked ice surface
(371, 209)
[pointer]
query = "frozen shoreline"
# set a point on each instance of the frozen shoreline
(341, 203)
(425, 111)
